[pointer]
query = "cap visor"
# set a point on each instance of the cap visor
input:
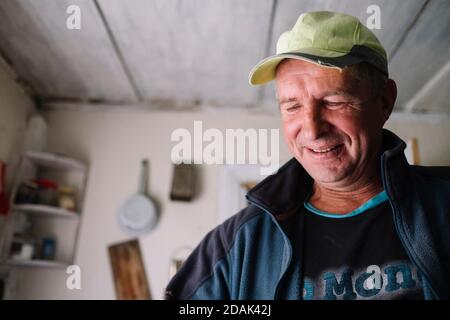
(264, 71)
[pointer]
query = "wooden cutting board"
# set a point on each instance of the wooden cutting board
(130, 279)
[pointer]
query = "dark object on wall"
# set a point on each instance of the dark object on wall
(4, 202)
(2, 288)
(183, 182)
(130, 279)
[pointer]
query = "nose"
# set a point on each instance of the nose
(313, 123)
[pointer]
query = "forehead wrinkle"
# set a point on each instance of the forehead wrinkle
(299, 87)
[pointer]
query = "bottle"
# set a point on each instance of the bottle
(48, 248)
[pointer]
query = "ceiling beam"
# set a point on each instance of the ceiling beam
(408, 29)
(119, 54)
(268, 50)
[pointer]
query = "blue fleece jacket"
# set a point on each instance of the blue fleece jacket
(247, 256)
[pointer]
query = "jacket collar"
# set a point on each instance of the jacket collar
(282, 193)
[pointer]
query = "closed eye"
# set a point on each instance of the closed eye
(291, 108)
(335, 104)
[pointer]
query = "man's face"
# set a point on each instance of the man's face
(331, 122)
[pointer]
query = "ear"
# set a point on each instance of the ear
(388, 98)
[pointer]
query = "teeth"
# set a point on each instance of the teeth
(322, 150)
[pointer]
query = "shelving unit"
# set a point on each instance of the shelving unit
(36, 263)
(40, 209)
(55, 160)
(63, 225)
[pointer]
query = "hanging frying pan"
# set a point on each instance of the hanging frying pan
(138, 215)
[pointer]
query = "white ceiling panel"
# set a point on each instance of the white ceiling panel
(433, 97)
(198, 50)
(425, 51)
(58, 62)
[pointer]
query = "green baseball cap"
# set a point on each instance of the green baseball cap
(325, 38)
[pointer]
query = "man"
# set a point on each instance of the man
(348, 217)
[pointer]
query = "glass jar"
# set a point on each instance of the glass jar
(66, 198)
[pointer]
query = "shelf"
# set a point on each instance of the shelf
(40, 209)
(37, 263)
(42, 220)
(54, 160)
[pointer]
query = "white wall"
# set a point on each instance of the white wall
(14, 109)
(15, 106)
(432, 133)
(114, 143)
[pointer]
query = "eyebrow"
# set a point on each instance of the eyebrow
(326, 94)
(286, 100)
(337, 92)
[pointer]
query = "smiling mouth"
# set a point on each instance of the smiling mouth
(324, 150)
(325, 153)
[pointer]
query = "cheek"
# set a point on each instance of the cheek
(291, 128)
(371, 119)
(357, 135)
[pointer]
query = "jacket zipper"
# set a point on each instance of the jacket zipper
(400, 232)
(286, 240)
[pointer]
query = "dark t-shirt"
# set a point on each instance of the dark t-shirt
(353, 256)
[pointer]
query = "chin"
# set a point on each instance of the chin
(324, 178)
(324, 174)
